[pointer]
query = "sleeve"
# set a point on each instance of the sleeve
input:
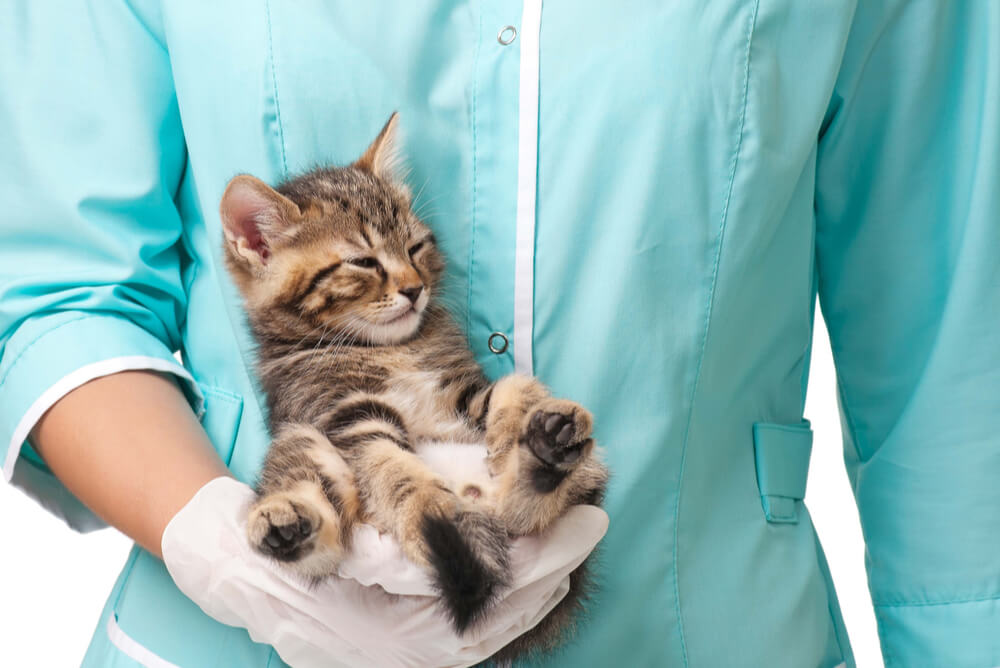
(90, 240)
(908, 260)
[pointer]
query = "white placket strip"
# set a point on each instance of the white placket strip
(527, 184)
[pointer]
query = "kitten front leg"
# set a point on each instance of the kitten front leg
(498, 410)
(307, 503)
(541, 452)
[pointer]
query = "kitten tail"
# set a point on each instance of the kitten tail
(469, 556)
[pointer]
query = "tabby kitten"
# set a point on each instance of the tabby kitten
(363, 369)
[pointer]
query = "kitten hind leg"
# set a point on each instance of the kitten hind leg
(307, 503)
(466, 548)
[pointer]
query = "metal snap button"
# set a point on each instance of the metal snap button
(498, 343)
(506, 35)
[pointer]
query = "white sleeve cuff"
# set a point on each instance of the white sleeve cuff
(40, 485)
(75, 379)
(46, 358)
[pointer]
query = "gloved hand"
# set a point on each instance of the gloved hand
(382, 611)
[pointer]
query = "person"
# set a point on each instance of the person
(640, 204)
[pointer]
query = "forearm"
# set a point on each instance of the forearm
(129, 447)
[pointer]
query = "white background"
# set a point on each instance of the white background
(53, 582)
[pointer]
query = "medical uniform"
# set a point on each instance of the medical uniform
(639, 202)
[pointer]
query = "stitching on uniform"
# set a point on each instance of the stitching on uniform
(274, 86)
(35, 340)
(783, 518)
(126, 580)
(187, 246)
(794, 429)
(888, 653)
(475, 178)
(926, 604)
(708, 319)
(837, 627)
(225, 395)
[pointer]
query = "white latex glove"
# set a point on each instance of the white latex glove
(382, 611)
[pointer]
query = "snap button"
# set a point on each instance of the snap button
(498, 343)
(506, 35)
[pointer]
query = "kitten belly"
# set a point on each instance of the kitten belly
(462, 466)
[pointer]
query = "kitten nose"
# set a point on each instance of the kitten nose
(412, 293)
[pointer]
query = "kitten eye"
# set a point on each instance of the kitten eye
(416, 248)
(365, 262)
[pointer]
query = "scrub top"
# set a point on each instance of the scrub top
(643, 198)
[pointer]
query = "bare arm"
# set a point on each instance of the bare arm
(129, 446)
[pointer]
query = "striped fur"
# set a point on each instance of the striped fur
(361, 365)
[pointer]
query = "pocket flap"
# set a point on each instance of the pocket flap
(221, 419)
(781, 456)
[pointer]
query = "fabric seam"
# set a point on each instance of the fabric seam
(187, 245)
(888, 656)
(475, 176)
(274, 88)
(795, 429)
(708, 319)
(126, 579)
(836, 629)
(225, 395)
(237, 322)
(928, 604)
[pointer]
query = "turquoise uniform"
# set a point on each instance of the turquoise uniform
(642, 198)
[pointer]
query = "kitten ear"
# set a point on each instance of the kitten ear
(384, 157)
(255, 217)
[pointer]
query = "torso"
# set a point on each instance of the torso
(422, 379)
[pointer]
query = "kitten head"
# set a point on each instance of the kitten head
(335, 254)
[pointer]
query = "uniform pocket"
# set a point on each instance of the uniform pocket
(221, 419)
(781, 456)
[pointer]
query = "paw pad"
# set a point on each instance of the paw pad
(281, 531)
(550, 436)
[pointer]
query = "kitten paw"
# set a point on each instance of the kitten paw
(558, 432)
(282, 528)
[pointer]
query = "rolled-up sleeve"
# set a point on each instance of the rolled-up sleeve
(91, 244)
(908, 236)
